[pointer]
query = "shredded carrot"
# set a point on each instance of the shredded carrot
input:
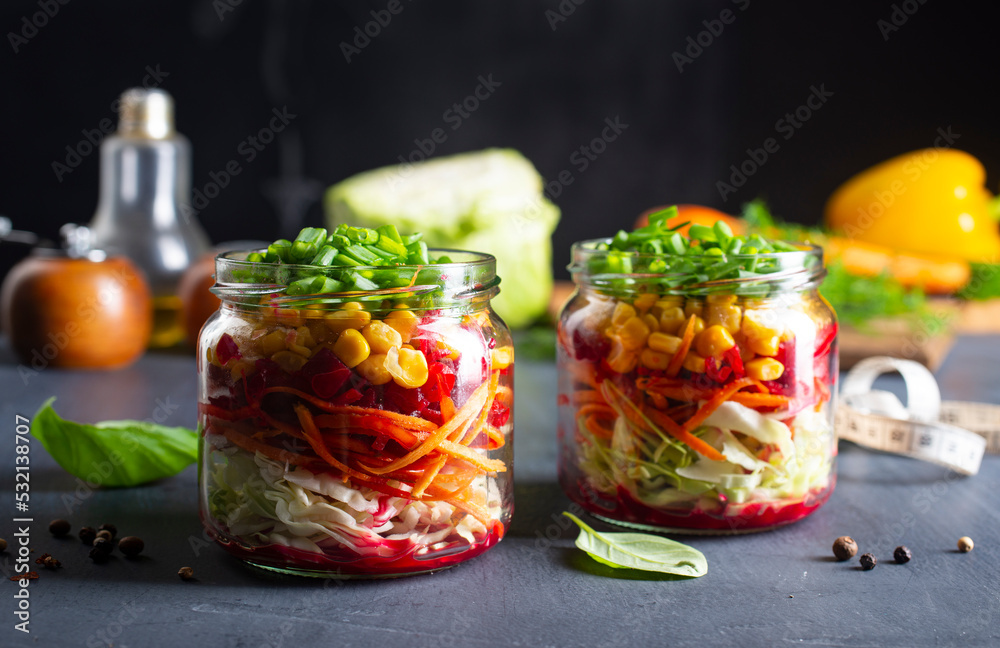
(587, 396)
(675, 363)
(594, 426)
(720, 397)
(447, 408)
(370, 425)
(468, 454)
(496, 438)
(760, 400)
(250, 445)
(470, 435)
(675, 430)
(428, 476)
(679, 392)
(594, 408)
(460, 421)
(315, 439)
(409, 422)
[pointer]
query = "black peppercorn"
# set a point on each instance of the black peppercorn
(87, 535)
(101, 551)
(902, 554)
(103, 545)
(844, 548)
(131, 546)
(868, 561)
(3, 545)
(104, 533)
(110, 528)
(186, 573)
(59, 528)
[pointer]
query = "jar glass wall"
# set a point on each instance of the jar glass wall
(356, 434)
(706, 408)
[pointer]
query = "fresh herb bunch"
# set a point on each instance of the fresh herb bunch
(347, 259)
(706, 254)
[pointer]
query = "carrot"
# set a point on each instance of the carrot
(370, 425)
(599, 409)
(587, 396)
(460, 421)
(675, 430)
(760, 400)
(675, 362)
(679, 392)
(468, 454)
(246, 443)
(471, 434)
(593, 425)
(720, 397)
(447, 408)
(428, 476)
(495, 438)
(315, 440)
(409, 422)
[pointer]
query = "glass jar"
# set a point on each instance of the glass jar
(704, 408)
(362, 434)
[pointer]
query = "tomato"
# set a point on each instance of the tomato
(695, 214)
(77, 313)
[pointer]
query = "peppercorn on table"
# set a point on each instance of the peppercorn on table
(535, 588)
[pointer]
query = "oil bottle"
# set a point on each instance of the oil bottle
(145, 182)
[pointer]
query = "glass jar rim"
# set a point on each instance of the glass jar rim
(470, 275)
(799, 269)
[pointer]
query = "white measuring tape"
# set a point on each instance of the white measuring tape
(950, 433)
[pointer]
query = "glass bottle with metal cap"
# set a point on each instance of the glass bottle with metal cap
(145, 179)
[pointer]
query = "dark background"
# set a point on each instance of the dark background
(228, 65)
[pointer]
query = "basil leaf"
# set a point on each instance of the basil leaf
(115, 453)
(640, 551)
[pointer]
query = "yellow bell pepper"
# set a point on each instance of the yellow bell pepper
(931, 201)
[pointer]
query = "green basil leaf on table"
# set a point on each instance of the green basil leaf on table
(115, 453)
(640, 551)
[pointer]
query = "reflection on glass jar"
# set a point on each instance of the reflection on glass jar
(356, 434)
(707, 408)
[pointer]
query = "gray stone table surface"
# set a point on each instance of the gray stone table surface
(534, 589)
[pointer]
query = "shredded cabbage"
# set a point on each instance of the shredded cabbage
(267, 502)
(671, 473)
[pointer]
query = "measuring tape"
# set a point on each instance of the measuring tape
(954, 434)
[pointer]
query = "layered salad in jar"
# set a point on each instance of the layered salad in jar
(697, 374)
(355, 406)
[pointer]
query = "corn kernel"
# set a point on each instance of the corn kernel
(762, 331)
(303, 337)
(699, 324)
(355, 306)
(502, 357)
(342, 320)
(721, 298)
(272, 343)
(407, 368)
(692, 307)
(764, 369)
(305, 352)
(671, 319)
(381, 337)
(651, 322)
(694, 363)
(373, 369)
(403, 321)
(319, 332)
(351, 347)
(714, 341)
(623, 312)
(727, 316)
(633, 333)
(623, 362)
(290, 362)
(663, 342)
(240, 368)
(644, 302)
(654, 359)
